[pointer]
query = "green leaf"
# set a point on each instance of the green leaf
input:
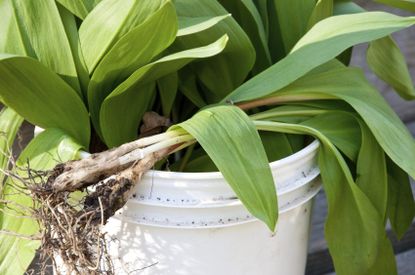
(350, 85)
(132, 51)
(228, 136)
(110, 21)
(329, 38)
(71, 30)
(43, 152)
(408, 5)
(351, 135)
(346, 7)
(12, 39)
(38, 20)
(342, 129)
(371, 171)
(275, 39)
(248, 17)
(192, 25)
(354, 230)
(239, 52)
(401, 205)
(293, 16)
(386, 60)
(10, 123)
(276, 145)
(80, 8)
(322, 10)
(42, 98)
(131, 100)
(167, 87)
(189, 88)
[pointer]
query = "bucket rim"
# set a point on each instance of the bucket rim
(306, 151)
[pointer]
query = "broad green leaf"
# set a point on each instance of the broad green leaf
(346, 7)
(342, 129)
(188, 87)
(132, 51)
(354, 230)
(371, 171)
(239, 52)
(401, 205)
(192, 25)
(12, 39)
(108, 22)
(248, 17)
(131, 101)
(42, 98)
(386, 60)
(384, 57)
(42, 153)
(322, 10)
(350, 85)
(201, 164)
(39, 20)
(276, 145)
(408, 5)
(10, 123)
(80, 8)
(262, 7)
(329, 38)
(167, 88)
(228, 136)
(275, 40)
(293, 16)
(71, 29)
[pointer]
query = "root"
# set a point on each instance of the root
(71, 235)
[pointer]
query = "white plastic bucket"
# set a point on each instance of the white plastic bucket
(193, 224)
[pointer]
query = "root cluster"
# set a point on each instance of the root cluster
(72, 213)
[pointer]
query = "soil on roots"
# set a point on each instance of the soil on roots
(71, 221)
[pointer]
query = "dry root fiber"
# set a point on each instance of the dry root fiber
(71, 234)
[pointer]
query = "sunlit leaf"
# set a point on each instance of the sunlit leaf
(322, 10)
(132, 51)
(329, 38)
(228, 136)
(42, 98)
(37, 20)
(350, 85)
(130, 100)
(248, 17)
(191, 25)
(239, 52)
(108, 22)
(80, 8)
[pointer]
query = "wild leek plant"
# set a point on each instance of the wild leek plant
(250, 81)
